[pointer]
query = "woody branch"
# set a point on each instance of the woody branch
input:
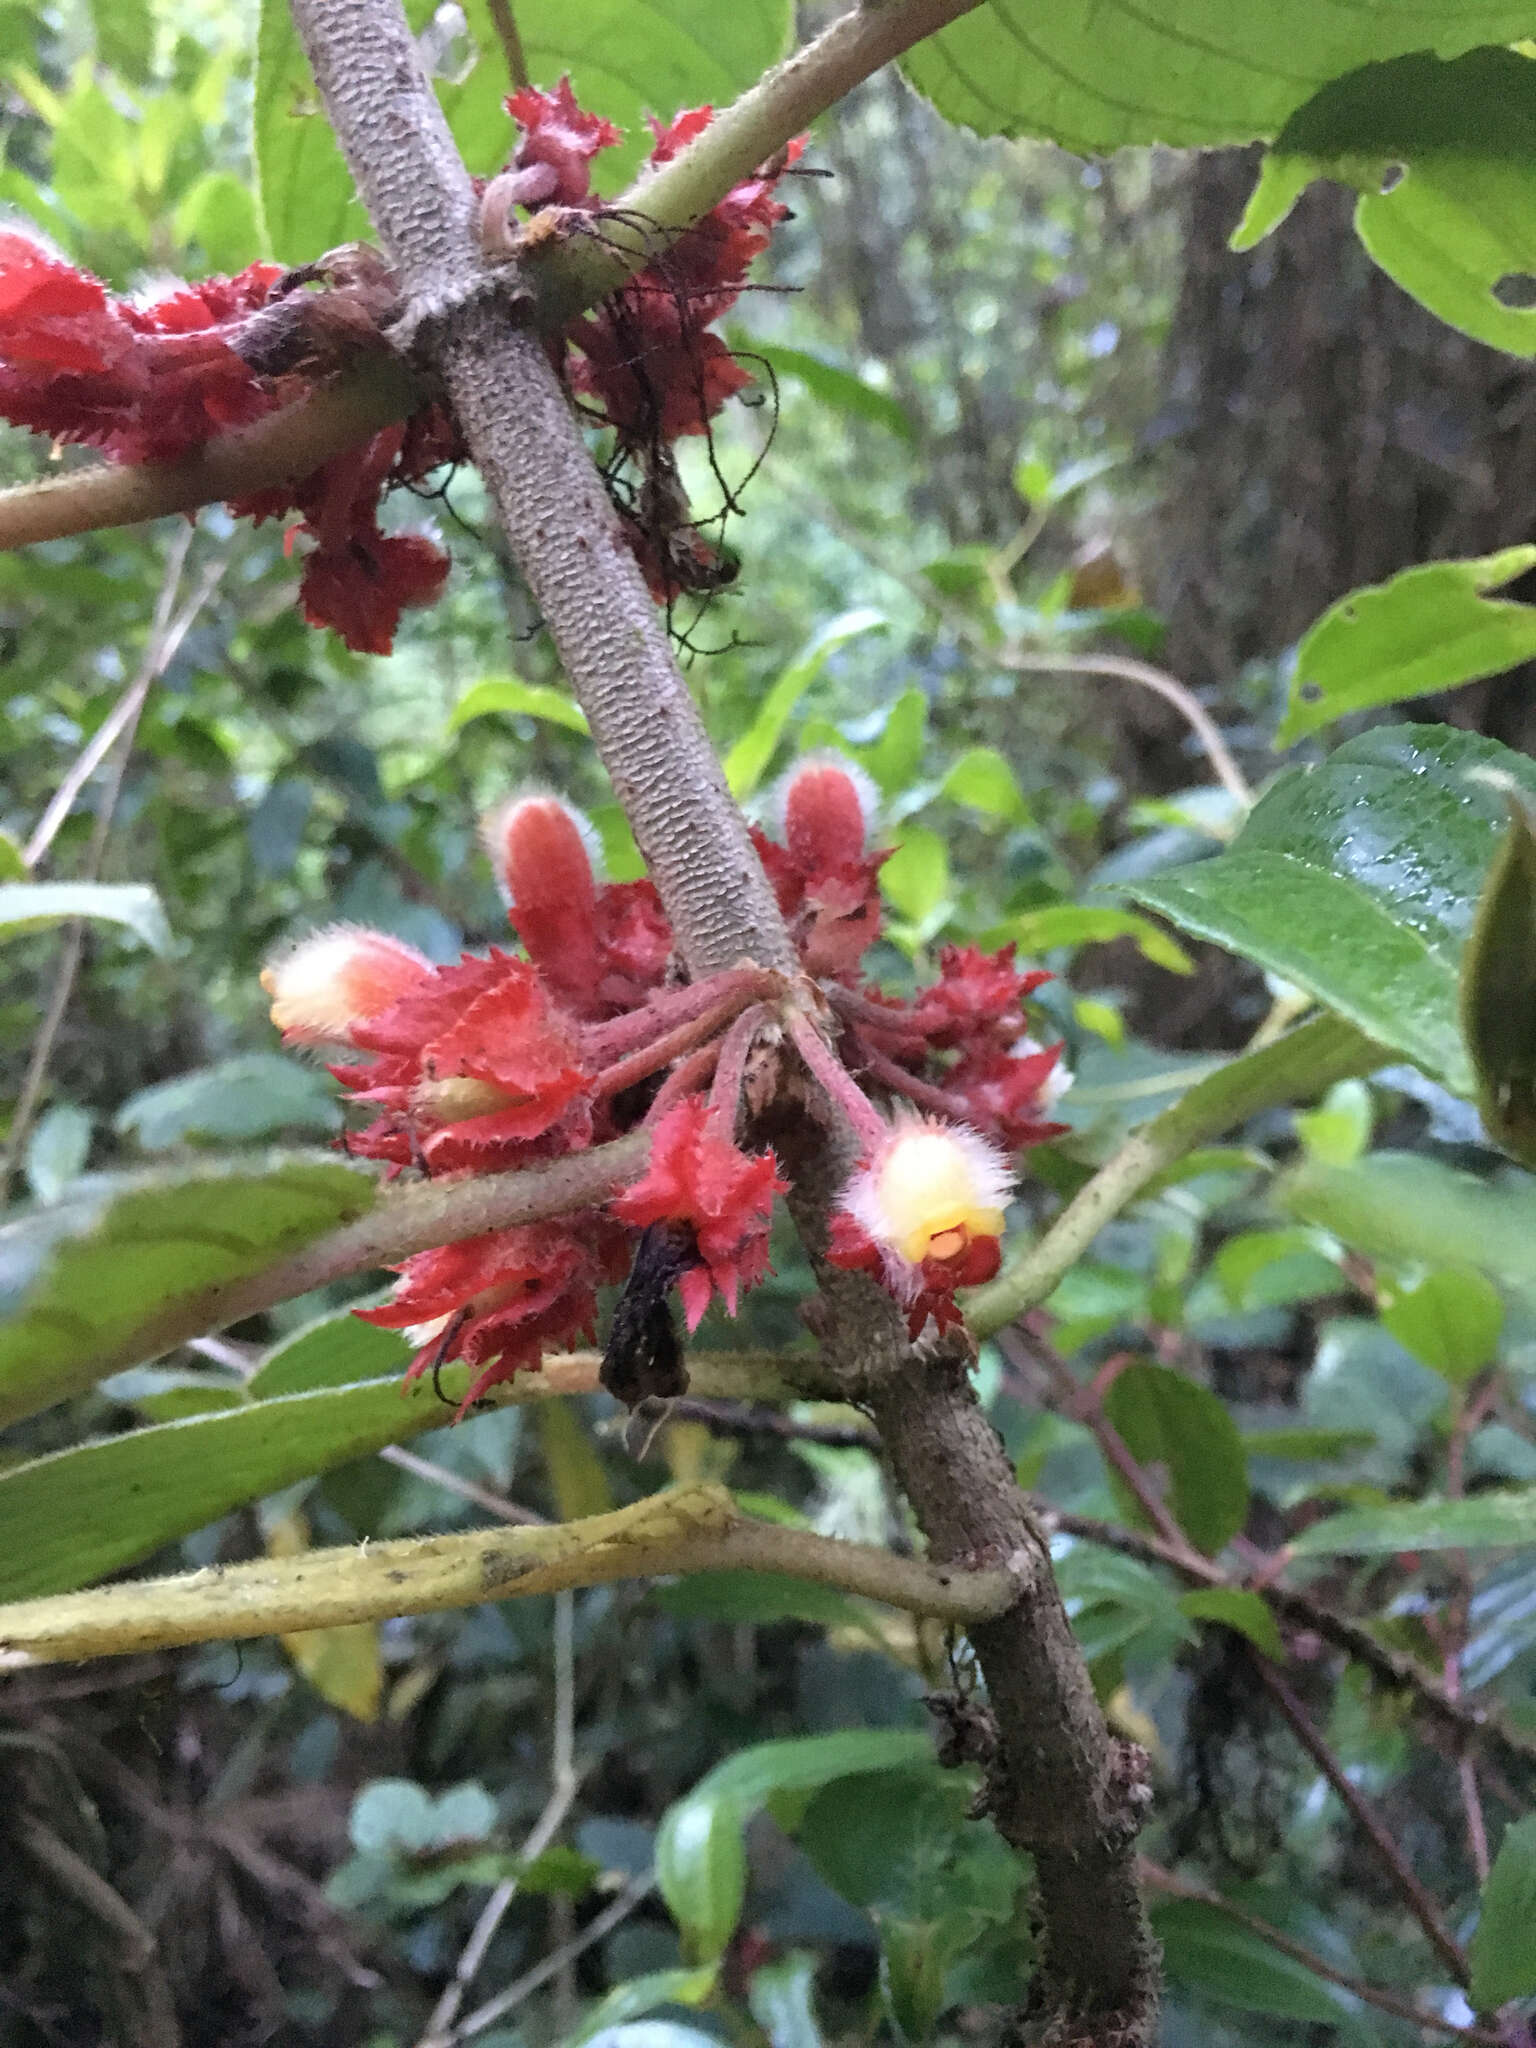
(1059, 1787)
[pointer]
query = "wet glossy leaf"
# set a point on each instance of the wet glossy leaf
(701, 1869)
(1358, 881)
(92, 1281)
(1195, 72)
(1498, 991)
(1451, 1320)
(1485, 1521)
(1428, 629)
(1169, 1421)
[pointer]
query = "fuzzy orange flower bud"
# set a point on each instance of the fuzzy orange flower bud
(337, 978)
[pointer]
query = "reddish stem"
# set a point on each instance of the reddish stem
(924, 1093)
(868, 1124)
(731, 1067)
(1390, 1855)
(684, 1078)
(650, 1059)
(602, 1044)
(858, 1009)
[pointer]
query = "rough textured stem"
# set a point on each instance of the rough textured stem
(1295, 1067)
(561, 527)
(1054, 1789)
(695, 1528)
(1063, 1786)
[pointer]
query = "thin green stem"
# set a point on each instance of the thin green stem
(1295, 1068)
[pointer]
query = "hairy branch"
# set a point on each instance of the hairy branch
(276, 450)
(688, 1529)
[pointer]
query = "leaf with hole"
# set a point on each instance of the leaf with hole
(1358, 880)
(1441, 155)
(1430, 628)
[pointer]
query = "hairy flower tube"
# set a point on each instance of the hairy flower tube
(500, 1060)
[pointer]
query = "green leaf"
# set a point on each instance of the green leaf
(983, 781)
(1409, 1209)
(761, 1597)
(335, 1351)
(1428, 629)
(1339, 1129)
(30, 906)
(1498, 991)
(640, 1995)
(1441, 154)
(219, 214)
(1168, 1420)
(93, 1280)
(57, 1149)
(526, 700)
(1300, 1446)
(12, 867)
(842, 389)
(125, 36)
(1503, 1949)
(896, 756)
(1484, 1521)
(915, 880)
(255, 1096)
(308, 203)
(747, 762)
(1209, 1953)
(577, 1477)
(1090, 924)
(701, 1870)
(781, 1996)
(1273, 1268)
(700, 1852)
(130, 1495)
(1358, 880)
(1451, 1321)
(912, 1959)
(1197, 73)
(1234, 1607)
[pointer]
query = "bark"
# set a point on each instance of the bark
(1059, 1781)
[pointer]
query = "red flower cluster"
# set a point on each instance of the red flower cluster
(492, 1063)
(151, 382)
(644, 356)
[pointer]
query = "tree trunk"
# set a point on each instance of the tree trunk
(1327, 431)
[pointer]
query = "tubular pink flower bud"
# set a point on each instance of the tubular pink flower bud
(337, 978)
(539, 849)
(826, 805)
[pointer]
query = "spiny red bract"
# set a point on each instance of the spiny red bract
(487, 1064)
(698, 1177)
